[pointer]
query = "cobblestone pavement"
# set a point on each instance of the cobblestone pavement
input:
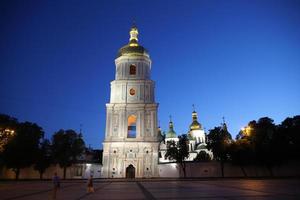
(229, 189)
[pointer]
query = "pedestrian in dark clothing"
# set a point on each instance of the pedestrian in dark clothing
(56, 185)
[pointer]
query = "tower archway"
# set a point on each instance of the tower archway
(130, 171)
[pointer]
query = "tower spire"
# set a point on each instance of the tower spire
(133, 40)
(195, 124)
(224, 125)
(171, 126)
(194, 114)
(171, 133)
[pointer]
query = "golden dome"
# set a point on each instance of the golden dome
(133, 47)
(195, 124)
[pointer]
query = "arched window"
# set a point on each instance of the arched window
(132, 70)
(131, 133)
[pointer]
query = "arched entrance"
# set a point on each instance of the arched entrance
(130, 171)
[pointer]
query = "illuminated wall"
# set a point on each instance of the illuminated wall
(130, 148)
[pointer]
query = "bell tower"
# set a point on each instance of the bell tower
(130, 148)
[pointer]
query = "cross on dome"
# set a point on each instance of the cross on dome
(133, 40)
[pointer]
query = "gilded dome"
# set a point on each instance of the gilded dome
(133, 47)
(195, 124)
(132, 50)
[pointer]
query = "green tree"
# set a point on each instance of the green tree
(67, 145)
(202, 156)
(98, 155)
(43, 157)
(7, 121)
(178, 151)
(21, 150)
(264, 143)
(219, 140)
(289, 137)
(263, 137)
(241, 153)
(7, 130)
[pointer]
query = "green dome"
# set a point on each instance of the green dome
(171, 133)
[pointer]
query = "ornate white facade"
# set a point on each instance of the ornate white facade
(130, 148)
(196, 137)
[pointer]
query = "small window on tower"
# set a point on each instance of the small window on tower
(132, 70)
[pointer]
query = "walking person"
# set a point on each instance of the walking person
(56, 185)
(90, 186)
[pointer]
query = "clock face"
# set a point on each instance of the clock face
(132, 91)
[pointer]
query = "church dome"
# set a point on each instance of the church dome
(171, 133)
(133, 47)
(195, 124)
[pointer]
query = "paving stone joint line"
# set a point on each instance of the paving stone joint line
(146, 192)
(239, 188)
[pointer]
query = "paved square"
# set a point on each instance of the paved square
(155, 189)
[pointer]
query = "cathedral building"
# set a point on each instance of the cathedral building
(196, 137)
(131, 144)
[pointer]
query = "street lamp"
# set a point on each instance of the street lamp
(5, 136)
(246, 130)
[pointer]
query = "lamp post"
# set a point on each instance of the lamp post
(5, 136)
(246, 130)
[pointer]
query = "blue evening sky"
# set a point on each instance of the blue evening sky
(237, 59)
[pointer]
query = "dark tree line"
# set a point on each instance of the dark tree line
(218, 140)
(263, 143)
(23, 144)
(260, 143)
